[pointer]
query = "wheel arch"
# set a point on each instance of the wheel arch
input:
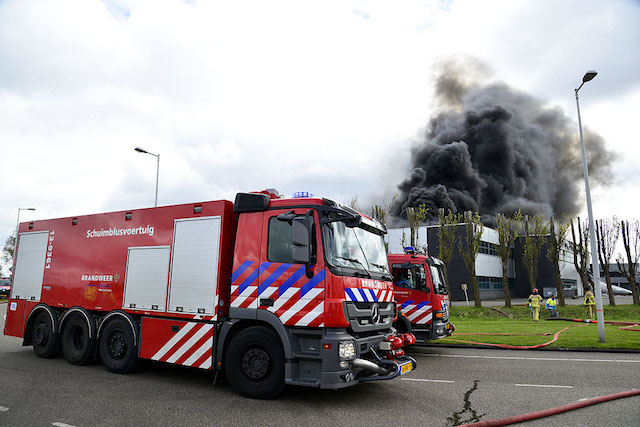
(135, 327)
(55, 322)
(91, 321)
(245, 318)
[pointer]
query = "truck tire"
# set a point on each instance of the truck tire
(254, 363)
(77, 347)
(44, 340)
(118, 349)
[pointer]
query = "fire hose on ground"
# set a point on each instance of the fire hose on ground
(554, 411)
(627, 326)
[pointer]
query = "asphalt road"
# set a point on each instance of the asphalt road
(450, 387)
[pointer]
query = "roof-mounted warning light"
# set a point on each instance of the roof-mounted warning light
(409, 250)
(271, 192)
(301, 194)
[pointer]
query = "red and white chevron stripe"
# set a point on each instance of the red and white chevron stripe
(418, 316)
(191, 346)
(295, 311)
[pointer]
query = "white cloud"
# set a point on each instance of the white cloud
(320, 96)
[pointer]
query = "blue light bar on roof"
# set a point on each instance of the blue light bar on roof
(409, 250)
(301, 194)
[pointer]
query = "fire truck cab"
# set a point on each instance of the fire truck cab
(273, 291)
(422, 295)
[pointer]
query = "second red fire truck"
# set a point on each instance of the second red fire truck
(272, 291)
(422, 295)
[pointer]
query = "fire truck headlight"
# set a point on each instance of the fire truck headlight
(347, 350)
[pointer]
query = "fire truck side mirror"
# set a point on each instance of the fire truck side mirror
(301, 237)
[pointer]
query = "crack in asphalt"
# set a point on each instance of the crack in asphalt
(456, 419)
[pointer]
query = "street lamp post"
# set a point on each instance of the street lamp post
(157, 156)
(594, 248)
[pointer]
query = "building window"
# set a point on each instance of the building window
(489, 248)
(494, 282)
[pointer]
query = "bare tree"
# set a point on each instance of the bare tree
(557, 238)
(474, 229)
(353, 203)
(631, 242)
(415, 217)
(381, 213)
(607, 233)
(580, 249)
(447, 239)
(8, 251)
(507, 235)
(535, 234)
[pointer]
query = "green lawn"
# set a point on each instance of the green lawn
(578, 335)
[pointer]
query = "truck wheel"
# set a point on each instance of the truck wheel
(45, 341)
(118, 350)
(77, 347)
(254, 363)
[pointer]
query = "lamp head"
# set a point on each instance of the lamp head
(140, 150)
(589, 76)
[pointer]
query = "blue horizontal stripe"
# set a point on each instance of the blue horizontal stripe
(240, 270)
(291, 281)
(253, 276)
(273, 277)
(312, 283)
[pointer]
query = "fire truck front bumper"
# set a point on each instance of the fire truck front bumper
(347, 360)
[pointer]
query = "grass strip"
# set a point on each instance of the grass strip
(578, 335)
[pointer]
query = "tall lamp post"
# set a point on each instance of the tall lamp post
(594, 247)
(157, 156)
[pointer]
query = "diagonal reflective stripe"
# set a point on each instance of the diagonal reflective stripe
(407, 309)
(284, 298)
(418, 313)
(406, 303)
(240, 270)
(253, 276)
(273, 277)
(177, 337)
(190, 343)
(206, 364)
(291, 280)
(425, 319)
(374, 297)
(363, 293)
(311, 315)
(199, 352)
(422, 304)
(350, 294)
(312, 283)
(299, 305)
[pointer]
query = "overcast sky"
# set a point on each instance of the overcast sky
(318, 96)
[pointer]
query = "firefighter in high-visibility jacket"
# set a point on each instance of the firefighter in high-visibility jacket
(590, 303)
(534, 302)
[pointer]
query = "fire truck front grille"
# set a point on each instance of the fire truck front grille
(369, 316)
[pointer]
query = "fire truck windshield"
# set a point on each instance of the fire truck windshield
(410, 276)
(439, 285)
(355, 248)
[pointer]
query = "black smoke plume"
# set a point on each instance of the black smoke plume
(492, 149)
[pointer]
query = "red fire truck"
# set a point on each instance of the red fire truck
(273, 291)
(423, 297)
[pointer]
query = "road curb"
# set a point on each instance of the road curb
(581, 349)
